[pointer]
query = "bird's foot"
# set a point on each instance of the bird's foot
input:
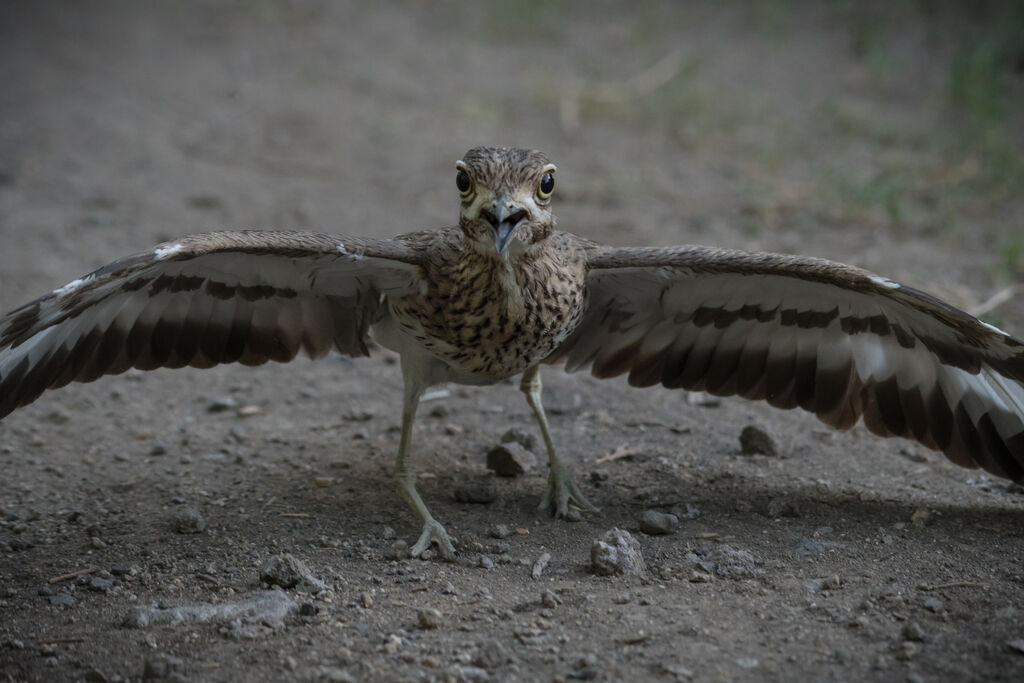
(562, 491)
(433, 532)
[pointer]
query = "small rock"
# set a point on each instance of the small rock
(188, 521)
(933, 605)
(549, 600)
(616, 553)
(466, 672)
(540, 565)
(288, 571)
(399, 550)
(221, 403)
(755, 440)
(440, 411)
(783, 507)
(913, 631)
(308, 609)
(808, 547)
(62, 599)
(658, 523)
(480, 491)
(525, 439)
(359, 416)
(161, 667)
(98, 584)
(96, 543)
(500, 531)
(491, 655)
(158, 449)
(366, 598)
(429, 618)
(486, 562)
(702, 399)
(510, 459)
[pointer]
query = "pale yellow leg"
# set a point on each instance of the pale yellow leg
(561, 489)
(405, 484)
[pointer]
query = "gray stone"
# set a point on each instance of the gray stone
(287, 571)
(658, 523)
(188, 521)
(617, 553)
(756, 440)
(480, 491)
(510, 459)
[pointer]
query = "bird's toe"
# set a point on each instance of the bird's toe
(433, 532)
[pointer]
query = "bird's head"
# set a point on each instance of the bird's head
(506, 199)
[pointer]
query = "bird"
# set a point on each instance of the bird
(503, 292)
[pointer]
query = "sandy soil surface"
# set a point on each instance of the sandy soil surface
(891, 139)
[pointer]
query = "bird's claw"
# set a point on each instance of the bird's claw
(561, 492)
(433, 532)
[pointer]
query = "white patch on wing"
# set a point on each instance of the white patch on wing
(166, 252)
(994, 329)
(346, 252)
(71, 286)
(885, 282)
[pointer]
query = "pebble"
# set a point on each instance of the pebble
(540, 565)
(221, 404)
(526, 439)
(913, 631)
(549, 600)
(62, 599)
(440, 411)
(726, 562)
(98, 584)
(466, 672)
(812, 548)
(756, 440)
(933, 605)
(366, 598)
(657, 523)
(288, 571)
(429, 618)
(486, 562)
(616, 552)
(500, 531)
(491, 655)
(161, 667)
(188, 521)
(510, 459)
(399, 550)
(480, 491)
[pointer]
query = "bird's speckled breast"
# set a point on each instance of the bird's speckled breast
(492, 317)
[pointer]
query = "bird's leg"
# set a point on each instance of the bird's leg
(561, 489)
(405, 480)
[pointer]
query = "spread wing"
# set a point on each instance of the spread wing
(835, 340)
(247, 297)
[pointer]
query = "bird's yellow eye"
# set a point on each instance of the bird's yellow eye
(463, 182)
(547, 186)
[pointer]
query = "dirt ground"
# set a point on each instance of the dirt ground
(888, 138)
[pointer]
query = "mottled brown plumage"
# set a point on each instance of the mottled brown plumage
(504, 291)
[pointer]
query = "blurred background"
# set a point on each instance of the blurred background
(885, 134)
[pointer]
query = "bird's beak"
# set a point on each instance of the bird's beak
(504, 216)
